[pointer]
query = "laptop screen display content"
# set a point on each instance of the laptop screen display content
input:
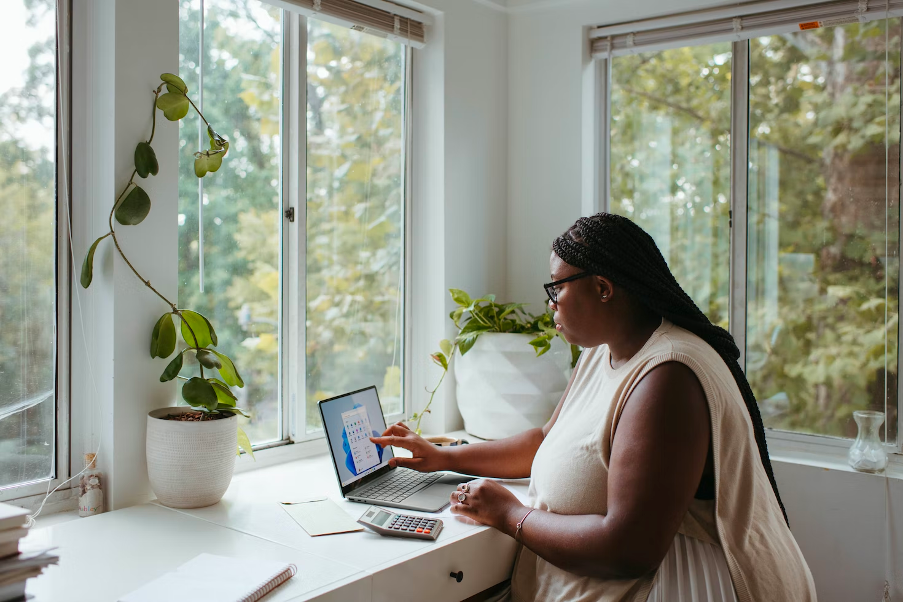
(350, 421)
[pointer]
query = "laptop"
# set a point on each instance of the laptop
(362, 467)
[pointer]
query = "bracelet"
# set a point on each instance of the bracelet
(520, 523)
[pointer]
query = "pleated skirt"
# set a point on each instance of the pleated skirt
(693, 571)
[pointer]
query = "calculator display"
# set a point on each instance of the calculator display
(381, 518)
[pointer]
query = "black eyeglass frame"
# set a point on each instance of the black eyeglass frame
(550, 287)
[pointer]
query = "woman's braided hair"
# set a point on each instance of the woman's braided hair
(615, 247)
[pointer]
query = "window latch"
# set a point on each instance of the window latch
(290, 214)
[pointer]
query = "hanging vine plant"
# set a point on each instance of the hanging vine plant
(207, 394)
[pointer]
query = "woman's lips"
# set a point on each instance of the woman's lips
(558, 327)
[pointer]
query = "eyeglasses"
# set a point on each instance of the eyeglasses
(553, 293)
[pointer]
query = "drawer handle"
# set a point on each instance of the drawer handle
(457, 576)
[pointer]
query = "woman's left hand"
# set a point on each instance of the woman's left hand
(487, 502)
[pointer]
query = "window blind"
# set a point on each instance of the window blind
(738, 22)
(376, 17)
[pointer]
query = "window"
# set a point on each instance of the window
(234, 262)
(355, 216)
(816, 118)
(230, 249)
(823, 226)
(669, 141)
(28, 246)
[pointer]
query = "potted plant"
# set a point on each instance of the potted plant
(209, 426)
(513, 366)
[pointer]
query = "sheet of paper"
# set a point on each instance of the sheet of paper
(322, 517)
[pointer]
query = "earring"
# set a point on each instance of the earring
(604, 296)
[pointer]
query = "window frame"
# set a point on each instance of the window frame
(799, 446)
(30, 494)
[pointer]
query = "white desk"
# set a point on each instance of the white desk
(107, 556)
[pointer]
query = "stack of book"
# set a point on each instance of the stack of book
(16, 567)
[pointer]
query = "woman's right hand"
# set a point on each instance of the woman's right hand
(426, 457)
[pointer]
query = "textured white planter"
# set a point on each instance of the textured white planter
(502, 387)
(190, 463)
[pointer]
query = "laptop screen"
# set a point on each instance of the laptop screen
(349, 421)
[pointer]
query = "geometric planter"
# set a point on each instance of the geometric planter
(190, 464)
(503, 389)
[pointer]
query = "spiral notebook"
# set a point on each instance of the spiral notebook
(210, 578)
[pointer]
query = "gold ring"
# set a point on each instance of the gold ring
(462, 497)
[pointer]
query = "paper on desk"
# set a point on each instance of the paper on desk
(321, 517)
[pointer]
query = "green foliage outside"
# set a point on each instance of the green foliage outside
(242, 221)
(353, 211)
(355, 216)
(27, 247)
(823, 220)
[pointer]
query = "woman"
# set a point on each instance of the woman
(651, 481)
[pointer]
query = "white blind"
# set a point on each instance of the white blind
(376, 17)
(738, 22)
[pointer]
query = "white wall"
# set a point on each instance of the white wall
(120, 48)
(837, 516)
(459, 189)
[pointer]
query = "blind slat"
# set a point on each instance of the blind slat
(362, 17)
(747, 25)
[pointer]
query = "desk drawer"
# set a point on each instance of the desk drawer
(484, 560)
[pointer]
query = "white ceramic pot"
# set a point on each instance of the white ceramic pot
(190, 463)
(502, 387)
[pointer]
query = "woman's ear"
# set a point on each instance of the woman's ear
(604, 288)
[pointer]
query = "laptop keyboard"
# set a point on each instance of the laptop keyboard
(402, 483)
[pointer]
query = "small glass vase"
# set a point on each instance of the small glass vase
(868, 454)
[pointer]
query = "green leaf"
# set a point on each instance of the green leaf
(88, 265)
(446, 346)
(224, 395)
(207, 358)
(199, 392)
(208, 161)
(217, 142)
(456, 316)
(575, 354)
(134, 208)
(440, 360)
(163, 337)
(145, 160)
(193, 322)
(174, 81)
(174, 105)
(245, 443)
(465, 344)
(172, 369)
(460, 297)
(226, 409)
(228, 371)
(540, 341)
(474, 326)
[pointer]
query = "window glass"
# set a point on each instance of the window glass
(670, 162)
(355, 216)
(823, 226)
(241, 203)
(27, 241)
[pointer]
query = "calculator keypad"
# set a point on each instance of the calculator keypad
(412, 524)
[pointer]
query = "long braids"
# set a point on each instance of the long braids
(615, 247)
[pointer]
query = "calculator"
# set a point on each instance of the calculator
(385, 522)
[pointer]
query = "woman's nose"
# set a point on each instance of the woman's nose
(552, 305)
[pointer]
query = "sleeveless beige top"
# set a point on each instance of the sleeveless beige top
(570, 470)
